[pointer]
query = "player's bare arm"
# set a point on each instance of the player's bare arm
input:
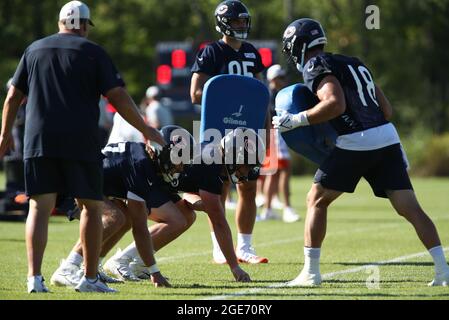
(332, 101)
(196, 88)
(126, 107)
(10, 108)
(214, 209)
(139, 214)
(385, 105)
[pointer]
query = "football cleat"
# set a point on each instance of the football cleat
(67, 275)
(86, 285)
(218, 257)
(441, 280)
(105, 278)
(289, 215)
(268, 214)
(119, 266)
(306, 279)
(36, 284)
(139, 270)
(248, 255)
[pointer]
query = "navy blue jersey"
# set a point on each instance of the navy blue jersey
(219, 58)
(128, 168)
(63, 76)
(362, 108)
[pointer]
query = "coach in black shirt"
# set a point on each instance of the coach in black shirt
(63, 76)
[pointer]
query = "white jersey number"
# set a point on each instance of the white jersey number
(235, 67)
(370, 87)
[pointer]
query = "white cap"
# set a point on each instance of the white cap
(75, 10)
(152, 92)
(275, 71)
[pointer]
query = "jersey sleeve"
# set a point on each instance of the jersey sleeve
(205, 61)
(315, 70)
(108, 75)
(20, 79)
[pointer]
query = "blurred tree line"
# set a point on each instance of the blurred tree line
(408, 54)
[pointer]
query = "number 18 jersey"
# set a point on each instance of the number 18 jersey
(363, 111)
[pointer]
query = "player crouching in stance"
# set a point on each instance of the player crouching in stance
(240, 152)
(368, 145)
(133, 178)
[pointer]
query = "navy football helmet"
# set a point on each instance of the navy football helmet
(300, 36)
(178, 151)
(230, 10)
(242, 146)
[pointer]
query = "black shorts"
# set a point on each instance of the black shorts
(77, 179)
(384, 169)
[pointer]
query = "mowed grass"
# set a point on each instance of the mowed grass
(362, 230)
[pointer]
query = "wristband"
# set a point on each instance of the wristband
(154, 269)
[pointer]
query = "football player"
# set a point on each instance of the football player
(368, 144)
(232, 55)
(203, 185)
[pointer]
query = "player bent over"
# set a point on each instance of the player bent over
(368, 145)
(203, 184)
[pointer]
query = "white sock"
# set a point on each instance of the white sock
(75, 258)
(215, 244)
(312, 260)
(38, 278)
(130, 252)
(243, 241)
(439, 259)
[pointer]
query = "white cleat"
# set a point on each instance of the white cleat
(440, 280)
(290, 216)
(67, 275)
(105, 278)
(260, 201)
(277, 204)
(306, 279)
(36, 285)
(139, 270)
(268, 214)
(219, 257)
(248, 255)
(96, 286)
(119, 267)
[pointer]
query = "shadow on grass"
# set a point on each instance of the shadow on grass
(12, 240)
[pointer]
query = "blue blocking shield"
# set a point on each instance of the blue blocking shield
(313, 142)
(232, 101)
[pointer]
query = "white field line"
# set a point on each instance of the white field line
(269, 244)
(326, 276)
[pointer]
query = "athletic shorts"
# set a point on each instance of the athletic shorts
(77, 179)
(384, 169)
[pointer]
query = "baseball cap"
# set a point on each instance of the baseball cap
(275, 71)
(75, 10)
(152, 92)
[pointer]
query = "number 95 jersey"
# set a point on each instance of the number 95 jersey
(219, 58)
(362, 107)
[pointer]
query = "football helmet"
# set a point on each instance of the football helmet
(178, 151)
(229, 11)
(242, 147)
(300, 36)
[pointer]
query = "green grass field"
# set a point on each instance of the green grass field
(362, 230)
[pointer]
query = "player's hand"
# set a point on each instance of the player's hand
(240, 275)
(287, 121)
(159, 280)
(6, 144)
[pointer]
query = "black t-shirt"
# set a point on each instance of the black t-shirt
(63, 76)
(219, 58)
(362, 108)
